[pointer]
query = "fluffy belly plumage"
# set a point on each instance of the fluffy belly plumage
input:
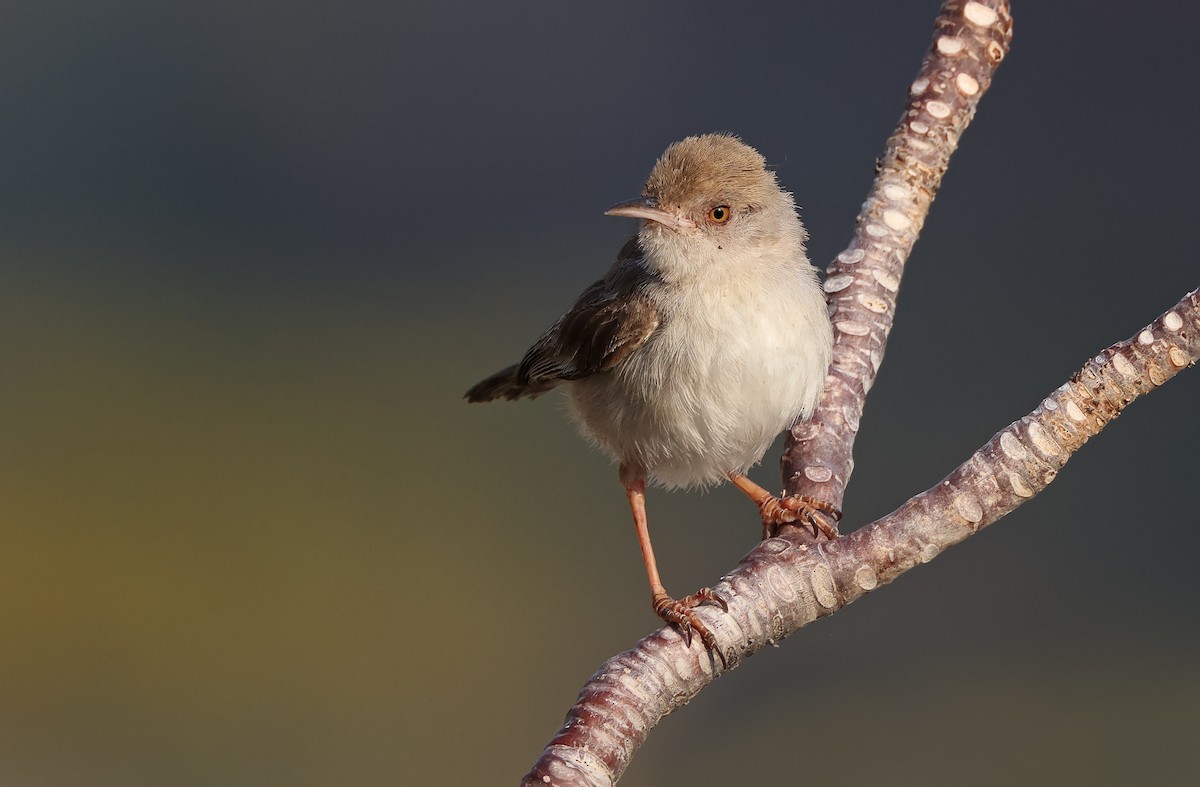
(689, 408)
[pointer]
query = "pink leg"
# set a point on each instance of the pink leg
(679, 613)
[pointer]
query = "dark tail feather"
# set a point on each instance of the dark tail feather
(505, 385)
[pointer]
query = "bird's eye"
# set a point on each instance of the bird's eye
(719, 214)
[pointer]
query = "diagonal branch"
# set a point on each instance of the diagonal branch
(969, 41)
(783, 585)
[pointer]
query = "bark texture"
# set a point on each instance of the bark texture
(969, 41)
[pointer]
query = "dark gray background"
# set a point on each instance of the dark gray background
(253, 252)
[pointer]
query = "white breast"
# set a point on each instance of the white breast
(738, 358)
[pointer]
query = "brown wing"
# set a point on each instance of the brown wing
(610, 320)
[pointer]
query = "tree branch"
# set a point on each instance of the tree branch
(969, 41)
(788, 582)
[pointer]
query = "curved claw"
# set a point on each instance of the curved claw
(681, 614)
(776, 512)
(708, 594)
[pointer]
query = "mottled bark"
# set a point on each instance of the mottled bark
(790, 581)
(969, 41)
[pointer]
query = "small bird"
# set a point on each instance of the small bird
(707, 338)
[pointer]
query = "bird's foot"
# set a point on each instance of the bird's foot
(682, 615)
(817, 514)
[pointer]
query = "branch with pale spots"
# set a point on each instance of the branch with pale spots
(969, 41)
(784, 584)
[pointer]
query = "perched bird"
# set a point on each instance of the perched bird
(707, 338)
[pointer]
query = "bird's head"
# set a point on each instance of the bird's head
(711, 199)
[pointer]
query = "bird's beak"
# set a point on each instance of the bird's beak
(648, 209)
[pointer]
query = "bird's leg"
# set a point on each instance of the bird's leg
(776, 512)
(679, 613)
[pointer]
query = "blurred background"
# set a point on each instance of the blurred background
(253, 252)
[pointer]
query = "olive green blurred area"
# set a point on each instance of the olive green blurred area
(251, 255)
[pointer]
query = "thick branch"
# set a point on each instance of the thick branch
(970, 39)
(783, 585)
